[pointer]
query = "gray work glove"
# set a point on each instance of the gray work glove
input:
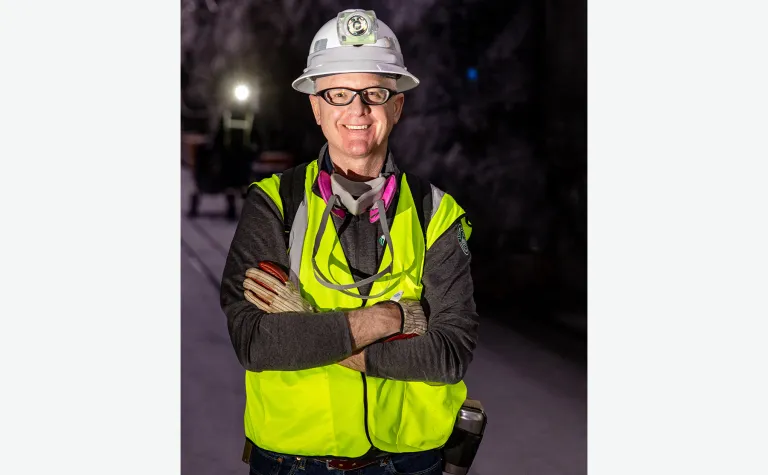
(268, 288)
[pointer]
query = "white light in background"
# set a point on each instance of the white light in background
(242, 92)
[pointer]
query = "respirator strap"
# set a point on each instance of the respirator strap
(379, 205)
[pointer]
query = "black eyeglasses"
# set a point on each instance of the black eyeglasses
(341, 96)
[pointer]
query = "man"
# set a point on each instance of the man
(354, 358)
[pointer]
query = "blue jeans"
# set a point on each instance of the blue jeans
(264, 462)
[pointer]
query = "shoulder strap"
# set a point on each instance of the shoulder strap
(291, 194)
(421, 190)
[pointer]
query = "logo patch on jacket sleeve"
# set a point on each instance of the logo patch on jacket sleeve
(462, 240)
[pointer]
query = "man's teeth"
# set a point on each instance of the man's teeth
(357, 127)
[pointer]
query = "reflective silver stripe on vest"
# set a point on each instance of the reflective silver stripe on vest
(298, 231)
(437, 197)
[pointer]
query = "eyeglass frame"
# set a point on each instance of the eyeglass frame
(392, 93)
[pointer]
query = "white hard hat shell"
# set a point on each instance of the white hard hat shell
(328, 56)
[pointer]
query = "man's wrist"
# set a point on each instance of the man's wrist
(370, 324)
(395, 317)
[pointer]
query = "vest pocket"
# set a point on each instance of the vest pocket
(317, 411)
(294, 411)
(412, 416)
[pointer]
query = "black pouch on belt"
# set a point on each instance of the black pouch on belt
(247, 451)
(460, 450)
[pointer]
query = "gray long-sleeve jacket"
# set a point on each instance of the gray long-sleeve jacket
(295, 341)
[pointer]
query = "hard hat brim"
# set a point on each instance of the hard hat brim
(305, 84)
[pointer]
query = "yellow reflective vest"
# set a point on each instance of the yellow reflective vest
(332, 410)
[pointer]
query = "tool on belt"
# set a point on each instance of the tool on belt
(460, 450)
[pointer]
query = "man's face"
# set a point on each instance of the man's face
(335, 120)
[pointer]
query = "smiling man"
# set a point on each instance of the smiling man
(347, 287)
(357, 130)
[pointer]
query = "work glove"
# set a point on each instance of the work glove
(412, 318)
(267, 286)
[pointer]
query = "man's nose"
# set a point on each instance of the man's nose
(357, 106)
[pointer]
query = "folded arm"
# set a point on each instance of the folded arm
(444, 352)
(289, 340)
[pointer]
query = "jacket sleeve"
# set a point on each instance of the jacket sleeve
(278, 341)
(444, 352)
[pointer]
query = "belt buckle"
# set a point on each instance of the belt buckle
(347, 464)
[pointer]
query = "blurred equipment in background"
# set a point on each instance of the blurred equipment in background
(230, 157)
(222, 165)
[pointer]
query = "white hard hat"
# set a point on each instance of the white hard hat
(355, 42)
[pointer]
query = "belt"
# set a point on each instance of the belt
(350, 464)
(374, 456)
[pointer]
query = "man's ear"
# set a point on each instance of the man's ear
(315, 101)
(398, 101)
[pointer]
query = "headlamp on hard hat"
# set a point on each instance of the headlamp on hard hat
(357, 27)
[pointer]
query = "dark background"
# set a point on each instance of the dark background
(508, 143)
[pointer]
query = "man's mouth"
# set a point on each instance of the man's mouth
(357, 127)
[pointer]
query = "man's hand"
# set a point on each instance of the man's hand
(413, 320)
(268, 288)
